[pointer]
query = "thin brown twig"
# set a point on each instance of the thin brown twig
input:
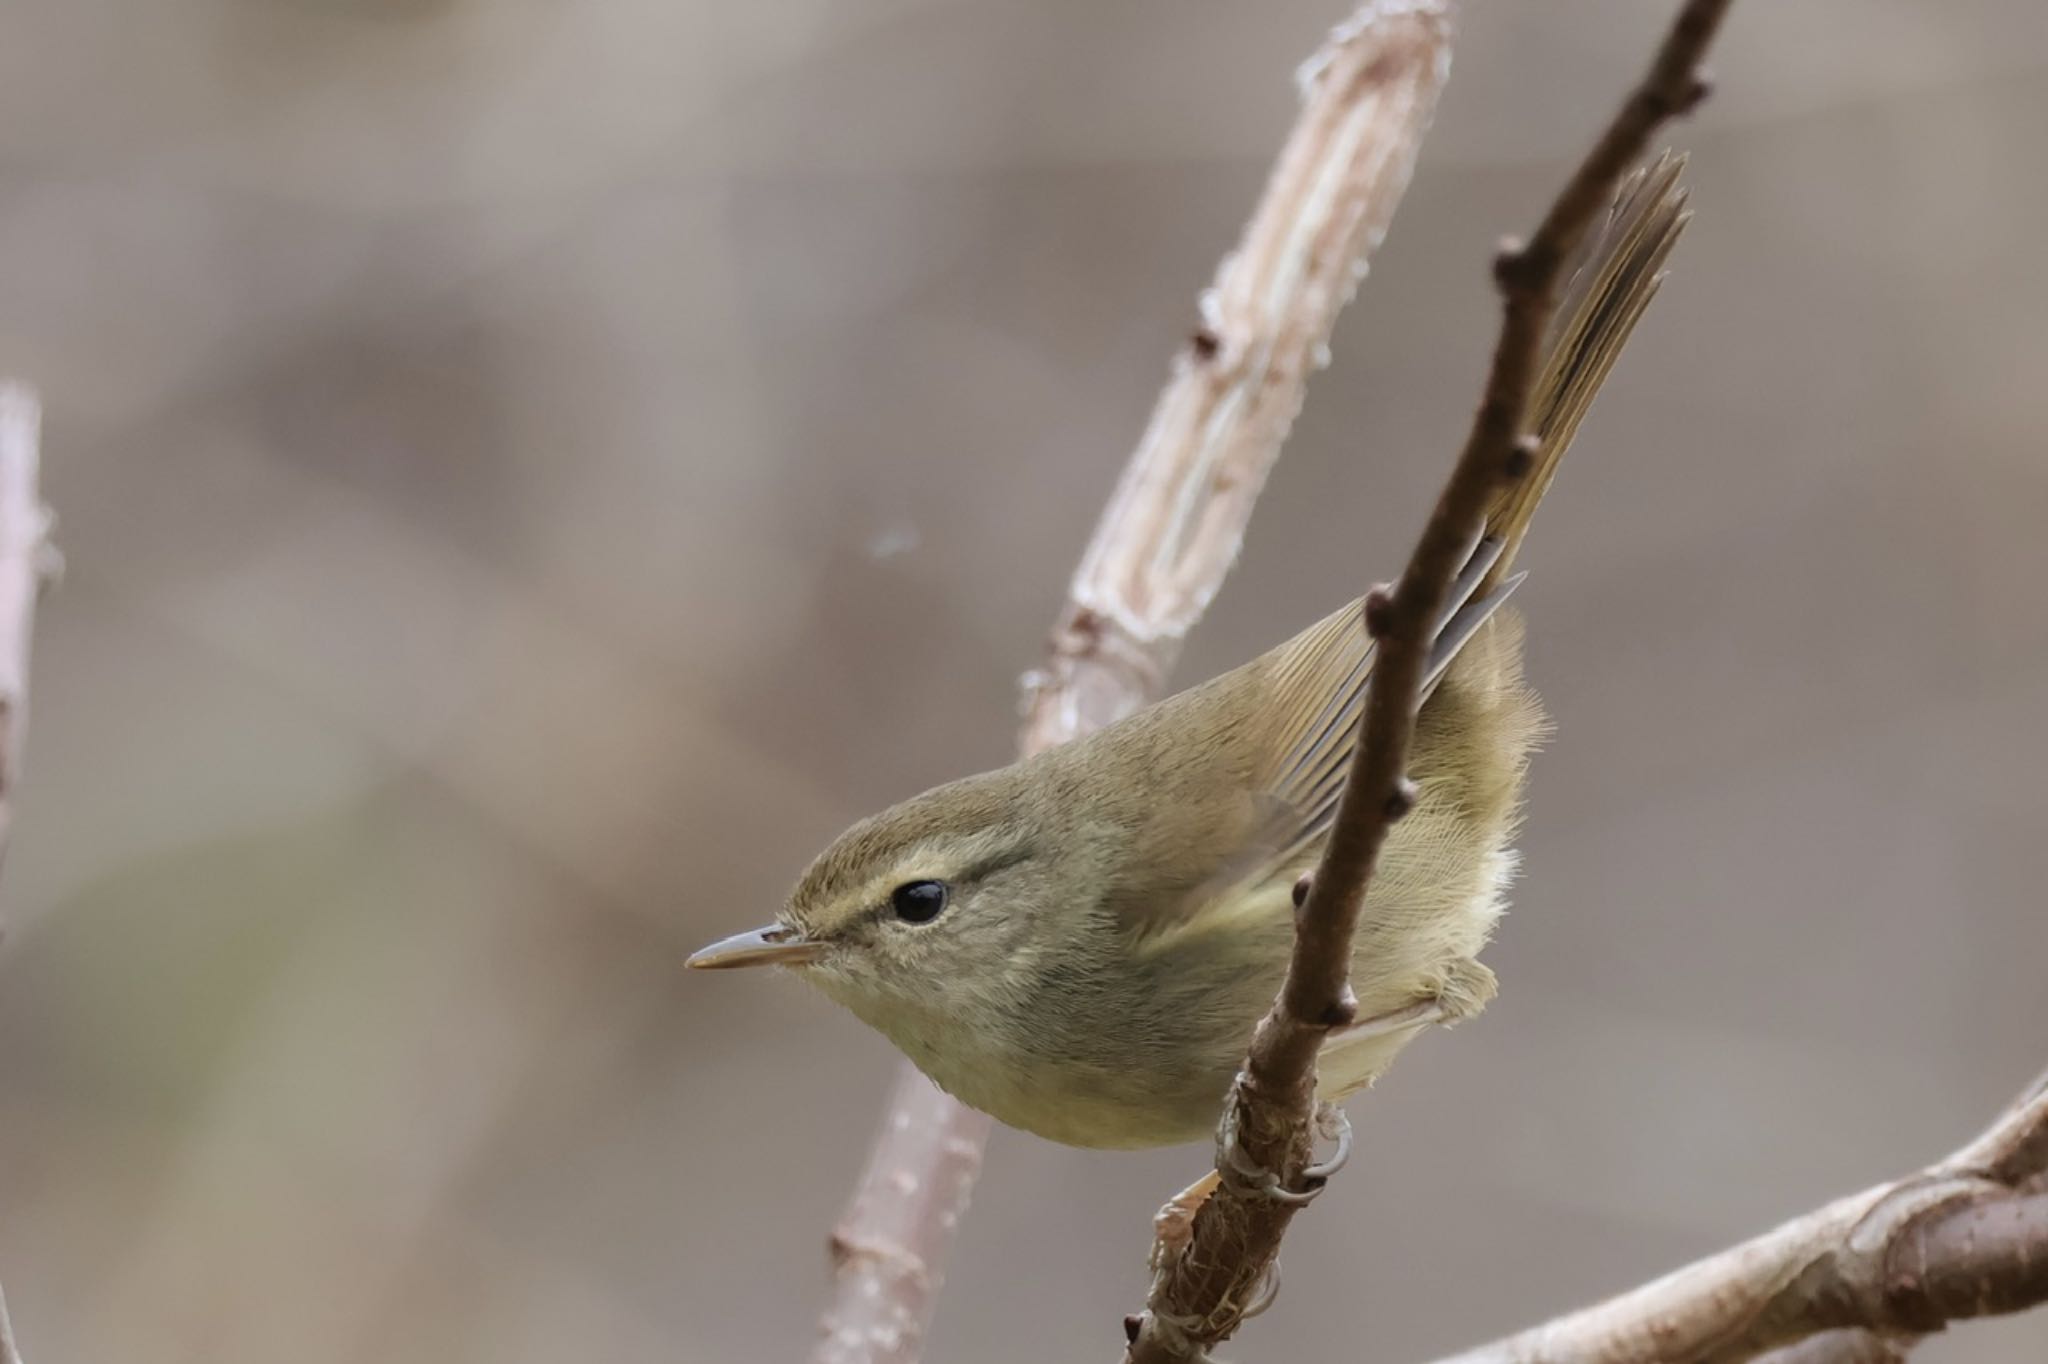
(1202, 1290)
(1856, 1282)
(26, 561)
(1164, 544)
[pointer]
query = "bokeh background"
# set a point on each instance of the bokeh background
(531, 472)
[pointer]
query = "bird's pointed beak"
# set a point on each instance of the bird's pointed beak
(770, 946)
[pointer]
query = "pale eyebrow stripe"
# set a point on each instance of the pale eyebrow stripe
(999, 861)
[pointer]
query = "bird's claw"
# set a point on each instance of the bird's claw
(1332, 1124)
(1246, 1177)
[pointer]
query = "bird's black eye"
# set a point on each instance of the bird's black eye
(918, 902)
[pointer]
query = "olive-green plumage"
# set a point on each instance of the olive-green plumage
(1116, 912)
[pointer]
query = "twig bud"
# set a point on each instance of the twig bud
(1302, 885)
(1696, 91)
(1522, 456)
(1379, 611)
(1508, 261)
(1401, 799)
(1343, 1010)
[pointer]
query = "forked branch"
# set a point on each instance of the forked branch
(1203, 1289)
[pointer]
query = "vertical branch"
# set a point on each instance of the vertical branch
(1164, 544)
(1203, 1289)
(26, 559)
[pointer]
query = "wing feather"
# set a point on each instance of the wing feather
(1314, 685)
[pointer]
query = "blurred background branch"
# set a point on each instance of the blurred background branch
(533, 473)
(27, 560)
(1163, 546)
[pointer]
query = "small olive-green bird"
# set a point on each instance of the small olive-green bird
(1081, 943)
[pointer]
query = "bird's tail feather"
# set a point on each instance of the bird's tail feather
(1619, 269)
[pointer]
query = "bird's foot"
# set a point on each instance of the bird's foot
(1332, 1125)
(1247, 1177)
(1173, 1226)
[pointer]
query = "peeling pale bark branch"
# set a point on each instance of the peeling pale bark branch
(1173, 526)
(1165, 542)
(888, 1248)
(26, 560)
(1856, 1282)
(1203, 1289)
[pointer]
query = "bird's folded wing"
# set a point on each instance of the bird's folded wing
(1315, 693)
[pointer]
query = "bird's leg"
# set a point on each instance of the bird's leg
(1464, 991)
(1252, 1180)
(1174, 1225)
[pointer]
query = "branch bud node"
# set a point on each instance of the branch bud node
(1401, 799)
(1522, 456)
(1697, 88)
(1510, 264)
(1379, 611)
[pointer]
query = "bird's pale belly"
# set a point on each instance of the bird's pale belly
(1160, 1091)
(1079, 1104)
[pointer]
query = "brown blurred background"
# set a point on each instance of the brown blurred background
(533, 471)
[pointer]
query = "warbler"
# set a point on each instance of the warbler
(1080, 943)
